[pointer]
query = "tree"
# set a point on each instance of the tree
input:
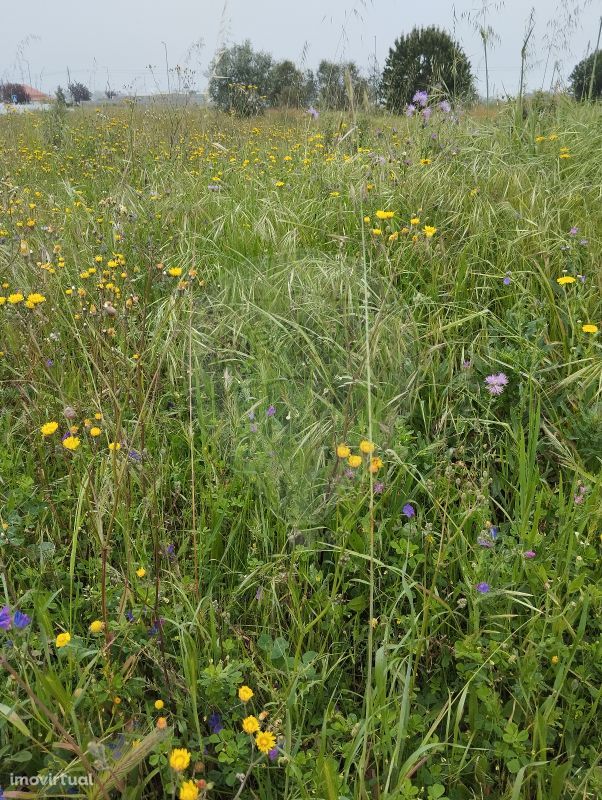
(339, 84)
(288, 86)
(13, 93)
(79, 92)
(60, 98)
(239, 79)
(581, 76)
(426, 59)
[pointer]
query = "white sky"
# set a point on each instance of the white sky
(117, 40)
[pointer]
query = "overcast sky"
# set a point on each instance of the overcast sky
(120, 40)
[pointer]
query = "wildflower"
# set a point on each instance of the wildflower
(421, 98)
(48, 428)
(429, 231)
(378, 487)
(215, 723)
(15, 298)
(63, 639)
(265, 741)
(426, 115)
(444, 106)
(589, 328)
(313, 113)
(385, 214)
(415, 221)
(376, 231)
(245, 693)
(189, 791)
(271, 411)
(366, 446)
(117, 701)
(273, 754)
(507, 281)
(574, 231)
(175, 272)
(114, 446)
(354, 461)
(343, 451)
(97, 626)
(21, 620)
(483, 587)
(410, 110)
(425, 161)
(367, 219)
(250, 724)
(161, 723)
(95, 431)
(71, 443)
(408, 511)
(159, 704)
(496, 383)
(5, 618)
(141, 572)
(562, 281)
(529, 554)
(554, 660)
(179, 759)
(375, 464)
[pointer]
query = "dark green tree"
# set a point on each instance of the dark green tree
(581, 76)
(339, 84)
(59, 96)
(13, 93)
(240, 79)
(288, 86)
(79, 92)
(426, 59)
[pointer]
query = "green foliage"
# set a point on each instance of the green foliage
(426, 59)
(340, 86)
(240, 79)
(581, 77)
(13, 93)
(79, 92)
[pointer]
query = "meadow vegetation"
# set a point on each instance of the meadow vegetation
(300, 466)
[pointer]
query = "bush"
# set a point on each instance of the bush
(13, 93)
(581, 75)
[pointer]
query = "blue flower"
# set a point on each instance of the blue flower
(5, 618)
(215, 723)
(408, 511)
(21, 620)
(483, 587)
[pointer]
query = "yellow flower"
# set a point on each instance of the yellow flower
(394, 236)
(385, 214)
(15, 298)
(179, 759)
(540, 138)
(36, 298)
(48, 428)
(175, 272)
(265, 741)
(63, 639)
(429, 231)
(161, 723)
(97, 626)
(114, 446)
(366, 446)
(250, 724)
(554, 659)
(189, 791)
(279, 183)
(589, 328)
(141, 572)
(343, 451)
(245, 693)
(565, 155)
(354, 461)
(159, 704)
(375, 464)
(425, 161)
(335, 194)
(376, 231)
(553, 136)
(71, 443)
(565, 279)
(415, 221)
(366, 219)
(95, 431)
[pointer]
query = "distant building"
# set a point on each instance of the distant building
(35, 95)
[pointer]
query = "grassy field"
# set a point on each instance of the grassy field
(300, 466)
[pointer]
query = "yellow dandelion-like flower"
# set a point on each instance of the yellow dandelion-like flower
(245, 693)
(589, 328)
(161, 723)
(366, 446)
(95, 431)
(415, 221)
(425, 161)
(71, 443)
(63, 639)
(250, 724)
(141, 572)
(159, 704)
(554, 660)
(343, 451)
(114, 446)
(179, 759)
(15, 298)
(48, 428)
(429, 231)
(97, 626)
(564, 279)
(175, 272)
(367, 219)
(376, 232)
(265, 741)
(385, 214)
(189, 791)
(375, 464)
(354, 461)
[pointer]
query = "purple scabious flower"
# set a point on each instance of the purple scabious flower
(574, 230)
(271, 411)
(21, 620)
(483, 587)
(273, 754)
(421, 98)
(444, 106)
(408, 511)
(5, 618)
(426, 114)
(378, 487)
(466, 364)
(410, 109)
(215, 723)
(529, 554)
(313, 112)
(496, 383)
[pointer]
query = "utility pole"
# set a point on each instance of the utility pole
(591, 80)
(167, 68)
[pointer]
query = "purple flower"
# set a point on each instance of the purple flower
(493, 532)
(349, 473)
(378, 487)
(215, 723)
(5, 618)
(214, 187)
(253, 428)
(313, 113)
(496, 383)
(129, 616)
(483, 588)
(21, 620)
(135, 456)
(49, 363)
(421, 98)
(529, 554)
(574, 230)
(408, 511)
(507, 280)
(410, 109)
(271, 411)
(273, 754)
(445, 106)
(484, 542)
(426, 114)
(466, 364)
(251, 415)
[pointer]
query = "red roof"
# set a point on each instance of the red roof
(35, 94)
